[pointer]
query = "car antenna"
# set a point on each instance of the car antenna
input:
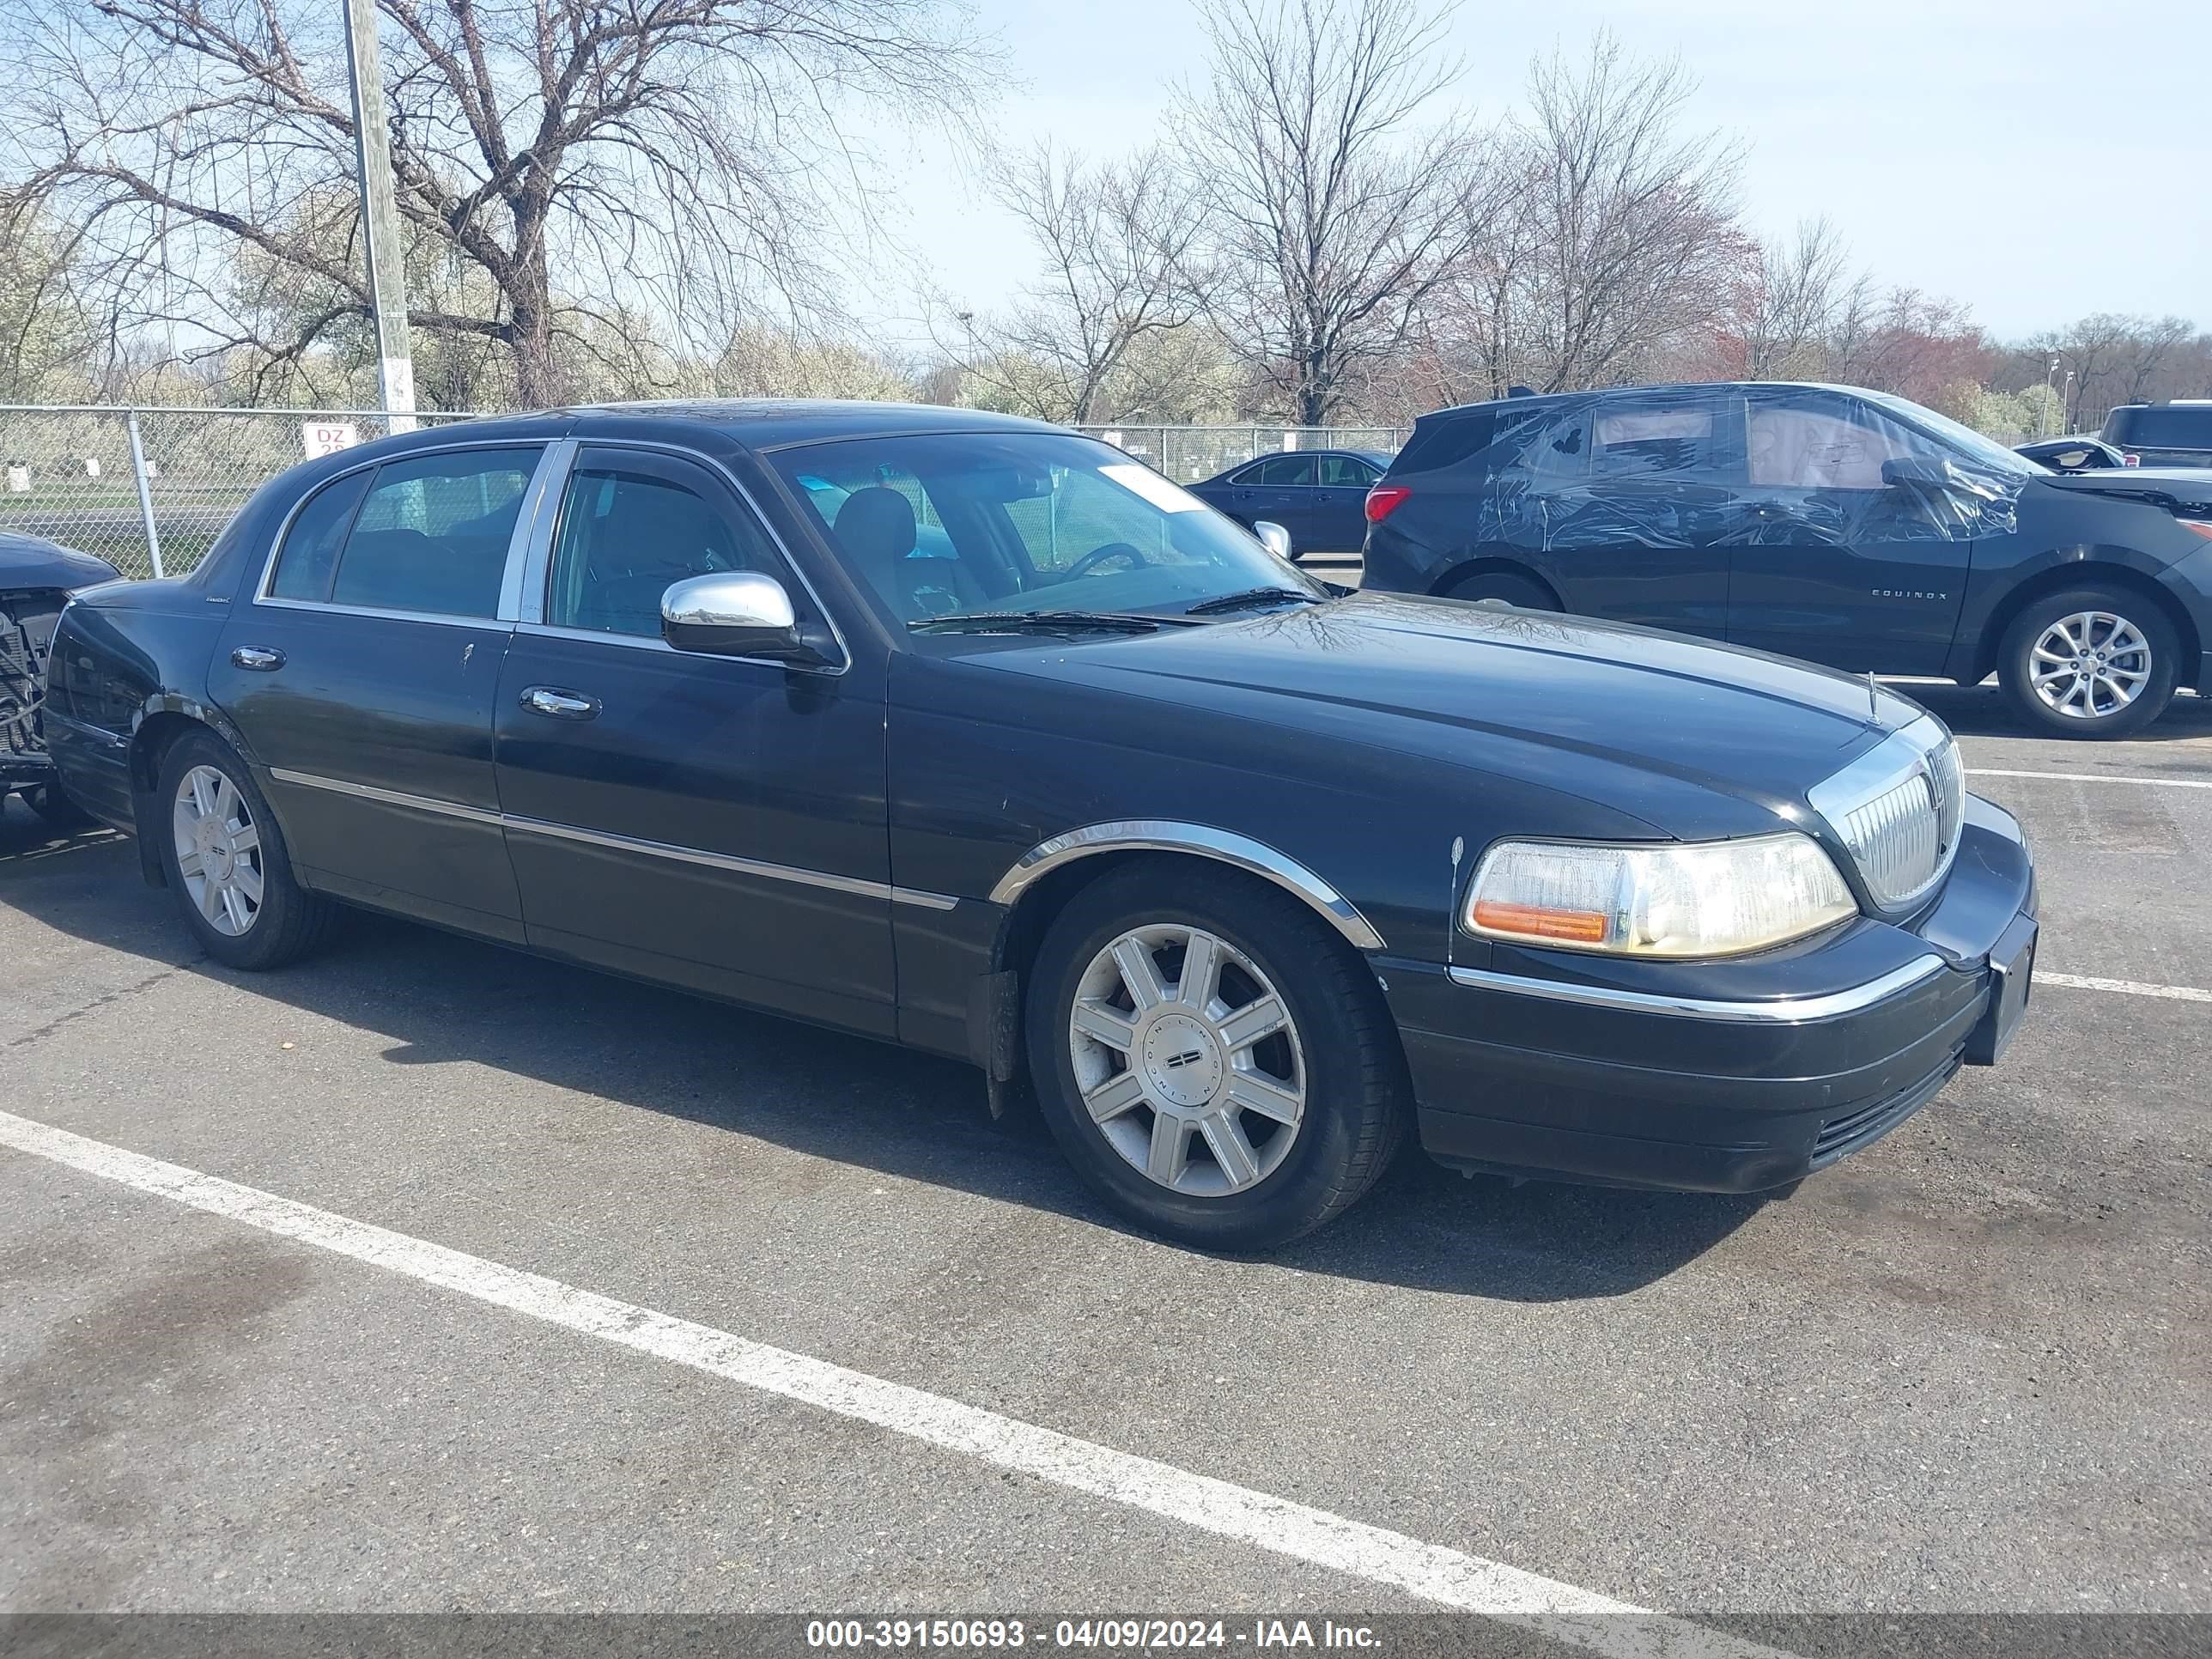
(1874, 700)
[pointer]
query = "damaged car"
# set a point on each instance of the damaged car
(37, 579)
(1846, 527)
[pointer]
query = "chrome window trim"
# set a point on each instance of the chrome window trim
(1780, 1011)
(262, 596)
(1894, 761)
(519, 600)
(1164, 836)
(535, 578)
(919, 898)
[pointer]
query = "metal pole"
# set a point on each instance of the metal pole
(379, 217)
(145, 495)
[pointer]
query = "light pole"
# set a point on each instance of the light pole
(380, 218)
(2043, 414)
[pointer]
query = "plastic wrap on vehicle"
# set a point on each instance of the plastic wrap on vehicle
(1700, 467)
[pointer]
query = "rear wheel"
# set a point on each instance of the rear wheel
(225, 862)
(1213, 1060)
(1504, 588)
(2089, 663)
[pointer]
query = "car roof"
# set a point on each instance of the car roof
(1532, 400)
(1378, 457)
(773, 423)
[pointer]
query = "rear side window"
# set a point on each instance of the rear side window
(1632, 443)
(1347, 469)
(310, 553)
(432, 533)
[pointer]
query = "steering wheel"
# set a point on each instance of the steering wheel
(1100, 555)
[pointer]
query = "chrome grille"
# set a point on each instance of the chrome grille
(1899, 808)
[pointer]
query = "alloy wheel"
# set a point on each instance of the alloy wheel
(1187, 1059)
(2090, 665)
(218, 849)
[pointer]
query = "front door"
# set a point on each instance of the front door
(362, 672)
(1280, 490)
(707, 821)
(1831, 563)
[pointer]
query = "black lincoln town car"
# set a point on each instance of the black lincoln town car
(967, 734)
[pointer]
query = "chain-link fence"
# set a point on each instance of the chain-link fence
(148, 489)
(1189, 453)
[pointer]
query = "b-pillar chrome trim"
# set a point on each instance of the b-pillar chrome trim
(1162, 836)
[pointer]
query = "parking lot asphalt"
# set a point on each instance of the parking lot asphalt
(1968, 1369)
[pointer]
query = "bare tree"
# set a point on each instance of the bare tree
(1333, 214)
(1625, 231)
(1793, 298)
(1114, 243)
(583, 163)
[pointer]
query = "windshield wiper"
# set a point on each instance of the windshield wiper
(1041, 622)
(1250, 597)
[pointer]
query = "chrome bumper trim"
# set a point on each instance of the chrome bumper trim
(1781, 1011)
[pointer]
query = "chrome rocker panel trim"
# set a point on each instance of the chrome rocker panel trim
(1782, 1010)
(699, 855)
(1162, 836)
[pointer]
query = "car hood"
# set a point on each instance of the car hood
(30, 561)
(2188, 486)
(1643, 721)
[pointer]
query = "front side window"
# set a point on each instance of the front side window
(1008, 522)
(1278, 470)
(632, 524)
(431, 535)
(1823, 443)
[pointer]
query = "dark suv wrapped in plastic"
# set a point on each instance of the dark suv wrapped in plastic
(1847, 527)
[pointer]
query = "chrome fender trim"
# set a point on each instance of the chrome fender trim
(1223, 846)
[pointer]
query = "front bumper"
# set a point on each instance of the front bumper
(1723, 1077)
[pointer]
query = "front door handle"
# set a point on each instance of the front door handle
(261, 658)
(559, 705)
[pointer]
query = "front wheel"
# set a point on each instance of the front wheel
(225, 862)
(1213, 1058)
(2089, 663)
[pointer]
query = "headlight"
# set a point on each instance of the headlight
(1707, 899)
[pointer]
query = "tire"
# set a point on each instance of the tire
(284, 921)
(1339, 1056)
(2127, 626)
(57, 809)
(1503, 586)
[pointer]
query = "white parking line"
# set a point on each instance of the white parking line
(2134, 988)
(2094, 777)
(1431, 1572)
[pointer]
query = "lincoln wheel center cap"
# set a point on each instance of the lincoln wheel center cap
(217, 853)
(1182, 1059)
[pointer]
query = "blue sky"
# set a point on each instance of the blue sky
(2040, 161)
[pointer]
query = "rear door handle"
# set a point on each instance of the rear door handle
(261, 658)
(559, 705)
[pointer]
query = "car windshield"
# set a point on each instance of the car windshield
(959, 524)
(1985, 451)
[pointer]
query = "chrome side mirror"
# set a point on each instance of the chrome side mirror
(1274, 537)
(734, 613)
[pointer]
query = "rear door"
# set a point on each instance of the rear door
(362, 674)
(707, 821)
(1624, 503)
(1831, 563)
